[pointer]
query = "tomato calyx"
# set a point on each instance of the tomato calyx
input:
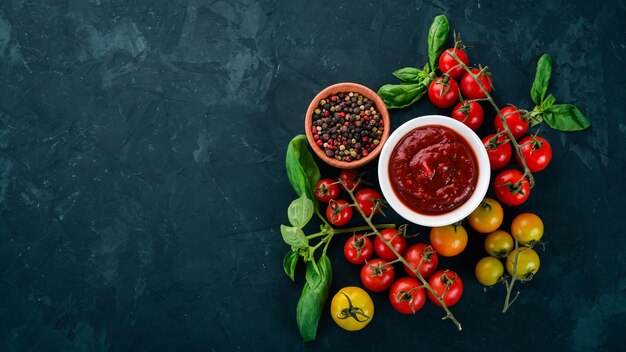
(494, 141)
(352, 312)
(358, 243)
(485, 205)
(378, 269)
(407, 296)
(457, 224)
(515, 188)
(336, 208)
(444, 82)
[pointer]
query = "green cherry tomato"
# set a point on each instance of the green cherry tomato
(489, 270)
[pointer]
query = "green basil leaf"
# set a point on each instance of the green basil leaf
(300, 211)
(289, 264)
(313, 298)
(410, 74)
(547, 102)
(302, 171)
(542, 77)
(566, 117)
(437, 38)
(294, 236)
(396, 96)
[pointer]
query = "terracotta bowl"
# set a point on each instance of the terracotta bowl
(347, 87)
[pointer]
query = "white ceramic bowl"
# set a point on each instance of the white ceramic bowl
(482, 183)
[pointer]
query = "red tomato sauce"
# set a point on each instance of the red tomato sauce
(433, 170)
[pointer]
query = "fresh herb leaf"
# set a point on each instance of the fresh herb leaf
(542, 77)
(314, 297)
(302, 171)
(410, 74)
(566, 117)
(289, 264)
(396, 96)
(437, 38)
(300, 211)
(294, 236)
(547, 102)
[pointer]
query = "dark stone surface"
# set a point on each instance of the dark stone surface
(142, 173)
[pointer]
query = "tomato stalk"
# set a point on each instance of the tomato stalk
(400, 258)
(509, 285)
(517, 146)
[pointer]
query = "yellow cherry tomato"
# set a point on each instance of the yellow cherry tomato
(487, 217)
(527, 263)
(352, 308)
(527, 228)
(489, 270)
(448, 240)
(499, 243)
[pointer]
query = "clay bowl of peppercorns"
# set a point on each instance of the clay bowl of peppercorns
(347, 125)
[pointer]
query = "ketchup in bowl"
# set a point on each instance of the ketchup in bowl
(433, 170)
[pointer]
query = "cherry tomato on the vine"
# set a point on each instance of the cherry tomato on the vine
(489, 270)
(367, 198)
(487, 217)
(449, 65)
(352, 308)
(470, 89)
(527, 263)
(511, 187)
(338, 212)
(443, 92)
(448, 284)
(470, 113)
(499, 243)
(397, 241)
(407, 296)
(448, 240)
(377, 275)
(326, 189)
(358, 249)
(351, 178)
(499, 152)
(536, 151)
(516, 122)
(527, 228)
(413, 256)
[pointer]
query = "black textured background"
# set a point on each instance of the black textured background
(142, 177)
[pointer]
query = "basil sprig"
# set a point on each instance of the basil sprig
(416, 81)
(562, 117)
(303, 175)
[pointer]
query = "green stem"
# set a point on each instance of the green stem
(509, 286)
(321, 233)
(364, 228)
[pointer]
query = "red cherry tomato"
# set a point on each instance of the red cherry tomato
(443, 92)
(470, 113)
(351, 178)
(406, 295)
(397, 241)
(366, 199)
(447, 64)
(499, 153)
(470, 89)
(377, 275)
(338, 212)
(509, 189)
(414, 255)
(326, 189)
(537, 152)
(517, 124)
(358, 249)
(440, 281)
